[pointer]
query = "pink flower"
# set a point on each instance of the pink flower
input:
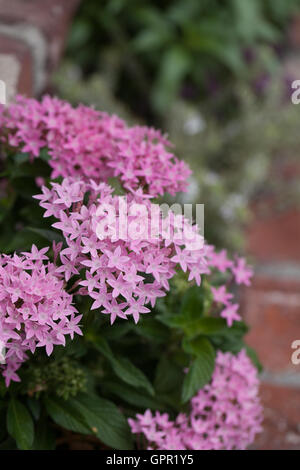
(237, 272)
(220, 261)
(35, 310)
(242, 272)
(90, 282)
(115, 260)
(91, 144)
(224, 415)
(114, 310)
(230, 314)
(181, 257)
(117, 267)
(220, 295)
(136, 307)
(35, 254)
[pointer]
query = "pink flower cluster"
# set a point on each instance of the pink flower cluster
(225, 415)
(35, 310)
(91, 144)
(118, 263)
(240, 272)
(123, 271)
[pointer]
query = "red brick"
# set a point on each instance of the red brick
(275, 237)
(272, 310)
(51, 17)
(22, 54)
(294, 32)
(265, 283)
(281, 418)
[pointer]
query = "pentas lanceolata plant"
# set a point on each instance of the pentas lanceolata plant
(92, 144)
(226, 414)
(115, 265)
(36, 311)
(78, 259)
(112, 261)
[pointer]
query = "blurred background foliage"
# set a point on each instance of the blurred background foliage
(207, 72)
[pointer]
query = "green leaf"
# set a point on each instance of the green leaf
(123, 368)
(115, 183)
(168, 376)
(79, 34)
(128, 372)
(105, 420)
(102, 346)
(44, 438)
(35, 407)
(20, 424)
(201, 369)
(151, 39)
(152, 329)
(44, 155)
(23, 240)
(49, 235)
(236, 331)
(211, 326)
(228, 343)
(21, 157)
(131, 395)
(28, 169)
(116, 333)
(193, 305)
(25, 186)
(175, 64)
(193, 302)
(254, 358)
(66, 414)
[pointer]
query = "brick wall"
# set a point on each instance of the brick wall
(272, 309)
(32, 35)
(272, 304)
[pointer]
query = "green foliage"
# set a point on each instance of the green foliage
(154, 49)
(201, 368)
(237, 159)
(123, 368)
(62, 377)
(67, 415)
(105, 420)
(20, 424)
(89, 414)
(21, 218)
(44, 438)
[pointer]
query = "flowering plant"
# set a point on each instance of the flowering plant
(120, 316)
